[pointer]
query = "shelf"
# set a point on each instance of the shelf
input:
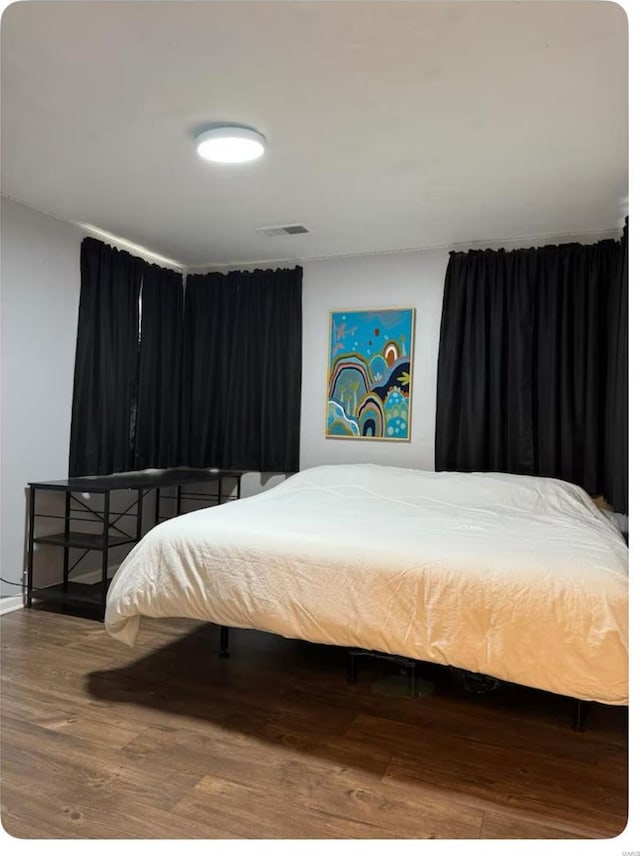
(84, 540)
(83, 593)
(190, 483)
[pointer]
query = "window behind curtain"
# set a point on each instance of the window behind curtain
(125, 410)
(106, 367)
(525, 366)
(242, 370)
(157, 421)
(213, 382)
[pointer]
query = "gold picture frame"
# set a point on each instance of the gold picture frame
(369, 376)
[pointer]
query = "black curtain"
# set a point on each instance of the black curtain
(616, 485)
(158, 398)
(242, 364)
(484, 407)
(106, 365)
(571, 297)
(524, 367)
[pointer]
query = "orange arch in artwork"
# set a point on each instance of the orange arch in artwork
(391, 352)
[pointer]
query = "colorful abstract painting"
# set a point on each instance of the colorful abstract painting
(369, 380)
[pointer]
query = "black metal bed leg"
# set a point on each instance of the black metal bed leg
(223, 650)
(352, 671)
(413, 689)
(579, 715)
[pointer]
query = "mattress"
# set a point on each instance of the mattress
(517, 577)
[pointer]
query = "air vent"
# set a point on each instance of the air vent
(274, 231)
(295, 230)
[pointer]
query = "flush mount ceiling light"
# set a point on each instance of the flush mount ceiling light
(230, 143)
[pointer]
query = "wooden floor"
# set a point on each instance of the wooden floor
(167, 741)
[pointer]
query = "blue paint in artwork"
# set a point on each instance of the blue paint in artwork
(339, 423)
(369, 391)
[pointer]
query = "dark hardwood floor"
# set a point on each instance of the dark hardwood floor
(167, 741)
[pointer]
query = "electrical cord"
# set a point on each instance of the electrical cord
(21, 585)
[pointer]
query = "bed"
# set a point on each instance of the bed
(516, 577)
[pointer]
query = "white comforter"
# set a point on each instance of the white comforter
(517, 577)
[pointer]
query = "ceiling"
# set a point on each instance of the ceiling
(391, 125)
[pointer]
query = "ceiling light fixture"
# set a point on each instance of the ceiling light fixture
(230, 143)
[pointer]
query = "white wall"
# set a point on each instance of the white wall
(399, 279)
(40, 291)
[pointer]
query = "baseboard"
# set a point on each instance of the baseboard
(91, 577)
(11, 604)
(88, 577)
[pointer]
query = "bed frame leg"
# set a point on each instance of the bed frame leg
(223, 650)
(413, 688)
(579, 716)
(352, 670)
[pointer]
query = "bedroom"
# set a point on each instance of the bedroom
(395, 133)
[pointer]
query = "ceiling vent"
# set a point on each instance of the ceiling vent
(275, 231)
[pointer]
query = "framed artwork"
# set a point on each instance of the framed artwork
(369, 378)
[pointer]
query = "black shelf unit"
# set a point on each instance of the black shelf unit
(83, 540)
(83, 595)
(111, 535)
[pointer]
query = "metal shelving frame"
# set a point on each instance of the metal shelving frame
(110, 534)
